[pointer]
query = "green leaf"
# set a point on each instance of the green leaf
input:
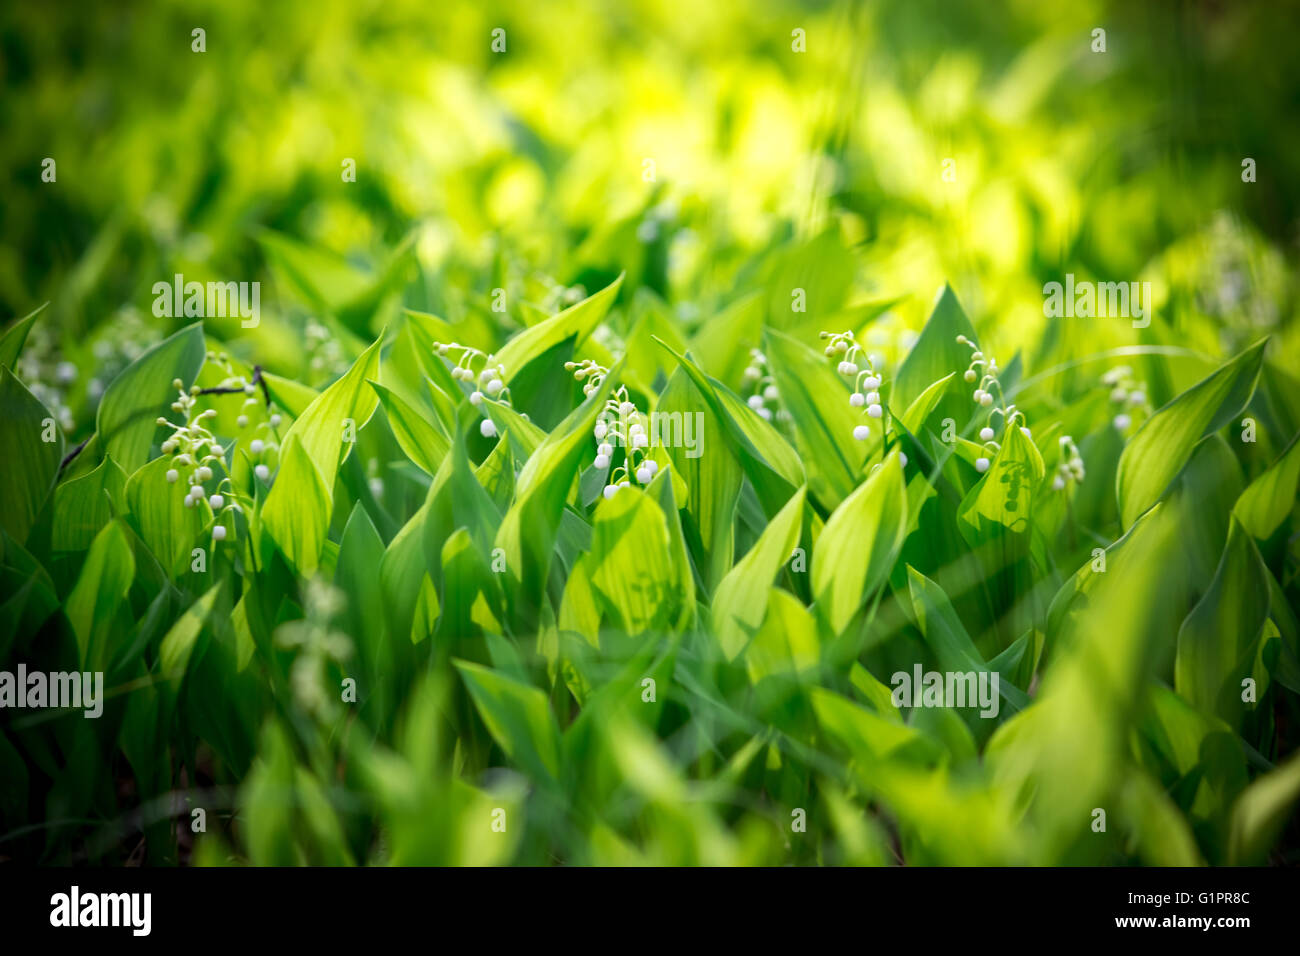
(297, 510)
(98, 596)
(319, 429)
(857, 548)
(159, 514)
(28, 463)
(741, 601)
(818, 402)
(710, 470)
(937, 353)
(528, 530)
(1261, 812)
(11, 343)
(420, 440)
(178, 645)
(1219, 638)
(1005, 494)
(84, 505)
(519, 718)
(1269, 498)
(634, 576)
(1164, 443)
(578, 321)
(945, 636)
(127, 418)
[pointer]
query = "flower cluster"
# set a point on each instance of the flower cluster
(196, 450)
(1071, 466)
(489, 380)
(984, 371)
(620, 426)
(764, 387)
(866, 379)
(1128, 395)
(326, 354)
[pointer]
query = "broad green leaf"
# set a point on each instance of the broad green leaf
(1164, 443)
(99, 594)
(1261, 812)
(84, 505)
(29, 463)
(1269, 498)
(945, 635)
(937, 353)
(158, 512)
(577, 322)
(420, 440)
(817, 399)
(127, 418)
(634, 577)
(1218, 640)
(11, 342)
(711, 472)
(1004, 496)
(528, 530)
(924, 404)
(297, 510)
(857, 548)
(740, 601)
(518, 716)
(178, 645)
(319, 430)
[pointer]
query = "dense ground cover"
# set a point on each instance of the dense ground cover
(550, 447)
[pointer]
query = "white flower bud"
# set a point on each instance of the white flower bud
(275, 421)
(873, 398)
(1122, 422)
(643, 475)
(857, 400)
(986, 434)
(765, 413)
(605, 449)
(1024, 430)
(189, 502)
(216, 501)
(263, 473)
(652, 465)
(602, 461)
(476, 397)
(600, 431)
(626, 408)
(256, 446)
(241, 421)
(1137, 398)
(172, 475)
(981, 465)
(219, 532)
(986, 399)
(641, 440)
(487, 429)
(1058, 483)
(494, 387)
(1118, 395)
(875, 411)
(610, 491)
(861, 432)
(969, 375)
(771, 393)
(205, 473)
(902, 459)
(756, 402)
